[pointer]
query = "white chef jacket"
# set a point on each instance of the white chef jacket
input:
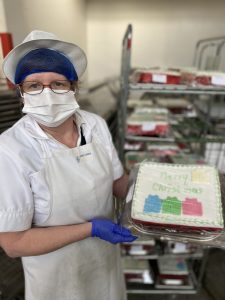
(25, 196)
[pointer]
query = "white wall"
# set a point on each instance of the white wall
(165, 31)
(3, 27)
(65, 18)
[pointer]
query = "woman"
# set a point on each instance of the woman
(59, 169)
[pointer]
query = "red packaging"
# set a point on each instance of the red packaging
(145, 77)
(5, 47)
(203, 79)
(6, 43)
(159, 77)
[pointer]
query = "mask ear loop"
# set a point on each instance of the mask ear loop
(74, 88)
(21, 94)
(20, 91)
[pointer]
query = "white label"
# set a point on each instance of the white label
(147, 278)
(172, 281)
(150, 126)
(159, 78)
(179, 248)
(218, 80)
(137, 250)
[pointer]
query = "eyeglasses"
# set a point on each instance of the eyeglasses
(35, 87)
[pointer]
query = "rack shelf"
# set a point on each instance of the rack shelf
(153, 290)
(147, 257)
(155, 256)
(177, 89)
(198, 259)
(148, 139)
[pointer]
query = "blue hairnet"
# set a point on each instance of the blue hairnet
(44, 60)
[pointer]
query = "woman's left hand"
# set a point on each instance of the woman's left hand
(111, 232)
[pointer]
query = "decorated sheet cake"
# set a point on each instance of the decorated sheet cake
(181, 196)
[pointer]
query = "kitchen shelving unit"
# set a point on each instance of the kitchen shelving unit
(196, 262)
(10, 108)
(192, 93)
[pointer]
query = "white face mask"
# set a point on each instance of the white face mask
(50, 109)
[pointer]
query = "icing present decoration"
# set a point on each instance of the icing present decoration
(181, 265)
(200, 176)
(152, 204)
(192, 207)
(171, 205)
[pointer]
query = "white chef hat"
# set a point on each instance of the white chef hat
(44, 40)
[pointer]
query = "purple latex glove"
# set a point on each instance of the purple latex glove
(111, 232)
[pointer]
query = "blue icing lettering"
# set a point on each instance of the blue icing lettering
(153, 204)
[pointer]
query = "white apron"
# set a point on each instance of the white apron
(80, 181)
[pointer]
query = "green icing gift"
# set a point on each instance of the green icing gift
(171, 205)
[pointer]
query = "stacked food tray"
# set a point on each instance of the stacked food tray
(173, 273)
(176, 76)
(154, 123)
(148, 122)
(154, 265)
(10, 109)
(137, 271)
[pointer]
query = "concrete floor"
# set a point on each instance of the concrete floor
(213, 284)
(203, 295)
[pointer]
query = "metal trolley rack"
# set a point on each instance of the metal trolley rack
(193, 94)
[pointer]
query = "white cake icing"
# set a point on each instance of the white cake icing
(182, 195)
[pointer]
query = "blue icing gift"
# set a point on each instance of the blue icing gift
(181, 265)
(153, 204)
